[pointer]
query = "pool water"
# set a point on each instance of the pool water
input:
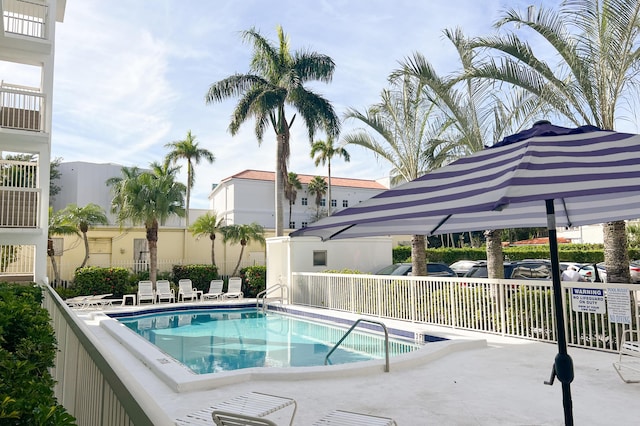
(232, 339)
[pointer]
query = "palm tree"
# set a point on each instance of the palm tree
(243, 234)
(404, 130)
(148, 198)
(84, 217)
(291, 191)
(596, 43)
(209, 224)
(476, 116)
(276, 79)
(58, 225)
(188, 149)
(318, 187)
(324, 151)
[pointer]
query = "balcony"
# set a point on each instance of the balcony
(19, 194)
(25, 18)
(21, 107)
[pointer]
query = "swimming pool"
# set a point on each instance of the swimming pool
(139, 352)
(219, 340)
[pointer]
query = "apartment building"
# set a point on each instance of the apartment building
(248, 197)
(27, 39)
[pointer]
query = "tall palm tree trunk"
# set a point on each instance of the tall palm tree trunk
(54, 264)
(616, 256)
(495, 267)
(242, 245)
(329, 188)
(86, 249)
(213, 249)
(279, 184)
(418, 256)
(152, 239)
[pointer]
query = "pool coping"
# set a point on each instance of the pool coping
(181, 379)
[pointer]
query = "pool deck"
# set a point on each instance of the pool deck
(497, 383)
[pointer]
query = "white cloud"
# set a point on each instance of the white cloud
(131, 76)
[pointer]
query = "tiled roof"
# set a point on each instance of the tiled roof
(305, 179)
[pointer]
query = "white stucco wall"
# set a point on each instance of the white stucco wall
(286, 255)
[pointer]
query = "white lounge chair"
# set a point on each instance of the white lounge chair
(145, 292)
(249, 409)
(85, 302)
(629, 357)
(341, 417)
(234, 290)
(187, 291)
(215, 290)
(225, 418)
(164, 291)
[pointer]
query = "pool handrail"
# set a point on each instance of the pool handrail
(262, 296)
(355, 324)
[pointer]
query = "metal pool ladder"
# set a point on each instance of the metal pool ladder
(355, 324)
(262, 296)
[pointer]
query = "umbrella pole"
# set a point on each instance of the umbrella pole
(563, 364)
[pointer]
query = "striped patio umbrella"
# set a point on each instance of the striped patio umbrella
(544, 176)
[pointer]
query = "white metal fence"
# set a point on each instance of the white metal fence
(518, 308)
(27, 18)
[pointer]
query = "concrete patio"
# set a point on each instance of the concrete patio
(498, 384)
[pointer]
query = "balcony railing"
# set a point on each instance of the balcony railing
(19, 194)
(26, 18)
(21, 107)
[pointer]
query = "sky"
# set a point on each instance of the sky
(131, 76)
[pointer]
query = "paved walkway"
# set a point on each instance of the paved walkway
(500, 384)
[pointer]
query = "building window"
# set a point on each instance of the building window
(304, 201)
(292, 225)
(320, 258)
(304, 224)
(334, 203)
(323, 202)
(345, 203)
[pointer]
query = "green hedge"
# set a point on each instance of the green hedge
(27, 351)
(581, 253)
(97, 280)
(254, 280)
(200, 275)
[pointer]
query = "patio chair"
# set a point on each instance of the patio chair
(234, 290)
(145, 292)
(187, 291)
(629, 357)
(215, 290)
(164, 291)
(341, 417)
(225, 418)
(85, 302)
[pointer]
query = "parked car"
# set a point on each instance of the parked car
(587, 271)
(461, 267)
(433, 269)
(593, 272)
(522, 269)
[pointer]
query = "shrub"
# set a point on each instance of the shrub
(254, 279)
(27, 351)
(200, 275)
(581, 253)
(97, 280)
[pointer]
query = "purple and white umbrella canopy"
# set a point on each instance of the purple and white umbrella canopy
(544, 176)
(593, 176)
